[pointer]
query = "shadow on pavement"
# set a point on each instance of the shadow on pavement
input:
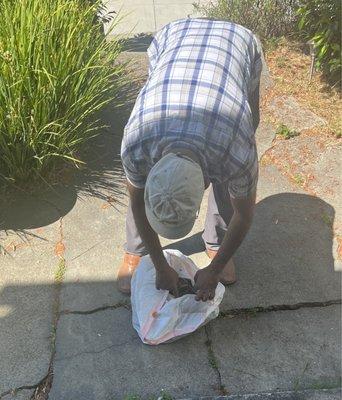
(286, 226)
(288, 250)
(138, 43)
(190, 245)
(101, 176)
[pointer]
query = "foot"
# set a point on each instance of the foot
(128, 266)
(227, 276)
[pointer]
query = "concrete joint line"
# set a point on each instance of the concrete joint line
(42, 389)
(273, 308)
(154, 17)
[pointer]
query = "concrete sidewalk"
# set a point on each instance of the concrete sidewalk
(280, 324)
(66, 331)
(148, 16)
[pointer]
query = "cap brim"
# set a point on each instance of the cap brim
(167, 231)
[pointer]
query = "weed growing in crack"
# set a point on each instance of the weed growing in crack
(299, 179)
(211, 356)
(53, 336)
(163, 396)
(319, 385)
(300, 378)
(285, 132)
(60, 272)
(251, 314)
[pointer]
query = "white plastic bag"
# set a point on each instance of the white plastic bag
(157, 316)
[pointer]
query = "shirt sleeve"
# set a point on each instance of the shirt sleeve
(256, 66)
(243, 185)
(156, 48)
(133, 175)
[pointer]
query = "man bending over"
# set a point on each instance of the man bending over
(193, 124)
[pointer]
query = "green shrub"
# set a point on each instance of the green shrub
(267, 18)
(56, 73)
(320, 21)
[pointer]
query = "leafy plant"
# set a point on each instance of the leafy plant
(102, 13)
(57, 72)
(286, 132)
(267, 18)
(320, 21)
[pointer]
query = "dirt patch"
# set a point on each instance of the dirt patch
(290, 71)
(312, 159)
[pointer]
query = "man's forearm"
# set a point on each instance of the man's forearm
(234, 236)
(147, 234)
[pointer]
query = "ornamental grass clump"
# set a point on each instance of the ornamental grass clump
(57, 71)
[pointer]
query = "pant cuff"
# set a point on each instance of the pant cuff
(212, 246)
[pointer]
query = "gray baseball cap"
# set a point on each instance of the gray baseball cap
(173, 193)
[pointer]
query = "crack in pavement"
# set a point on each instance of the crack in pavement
(127, 342)
(226, 313)
(14, 391)
(43, 388)
(127, 306)
(86, 251)
(250, 311)
(214, 363)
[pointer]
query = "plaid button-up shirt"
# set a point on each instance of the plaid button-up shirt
(202, 75)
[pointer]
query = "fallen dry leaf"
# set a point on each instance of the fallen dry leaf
(59, 249)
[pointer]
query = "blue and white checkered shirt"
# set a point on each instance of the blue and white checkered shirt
(201, 76)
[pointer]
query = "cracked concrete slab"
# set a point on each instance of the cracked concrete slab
(144, 16)
(94, 239)
(315, 162)
(283, 259)
(27, 297)
(19, 395)
(30, 231)
(284, 350)
(101, 356)
(264, 137)
(286, 218)
(289, 112)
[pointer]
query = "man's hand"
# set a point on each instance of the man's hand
(206, 281)
(167, 279)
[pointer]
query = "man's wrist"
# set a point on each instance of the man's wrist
(216, 267)
(159, 262)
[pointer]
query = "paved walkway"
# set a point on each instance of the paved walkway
(66, 332)
(146, 16)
